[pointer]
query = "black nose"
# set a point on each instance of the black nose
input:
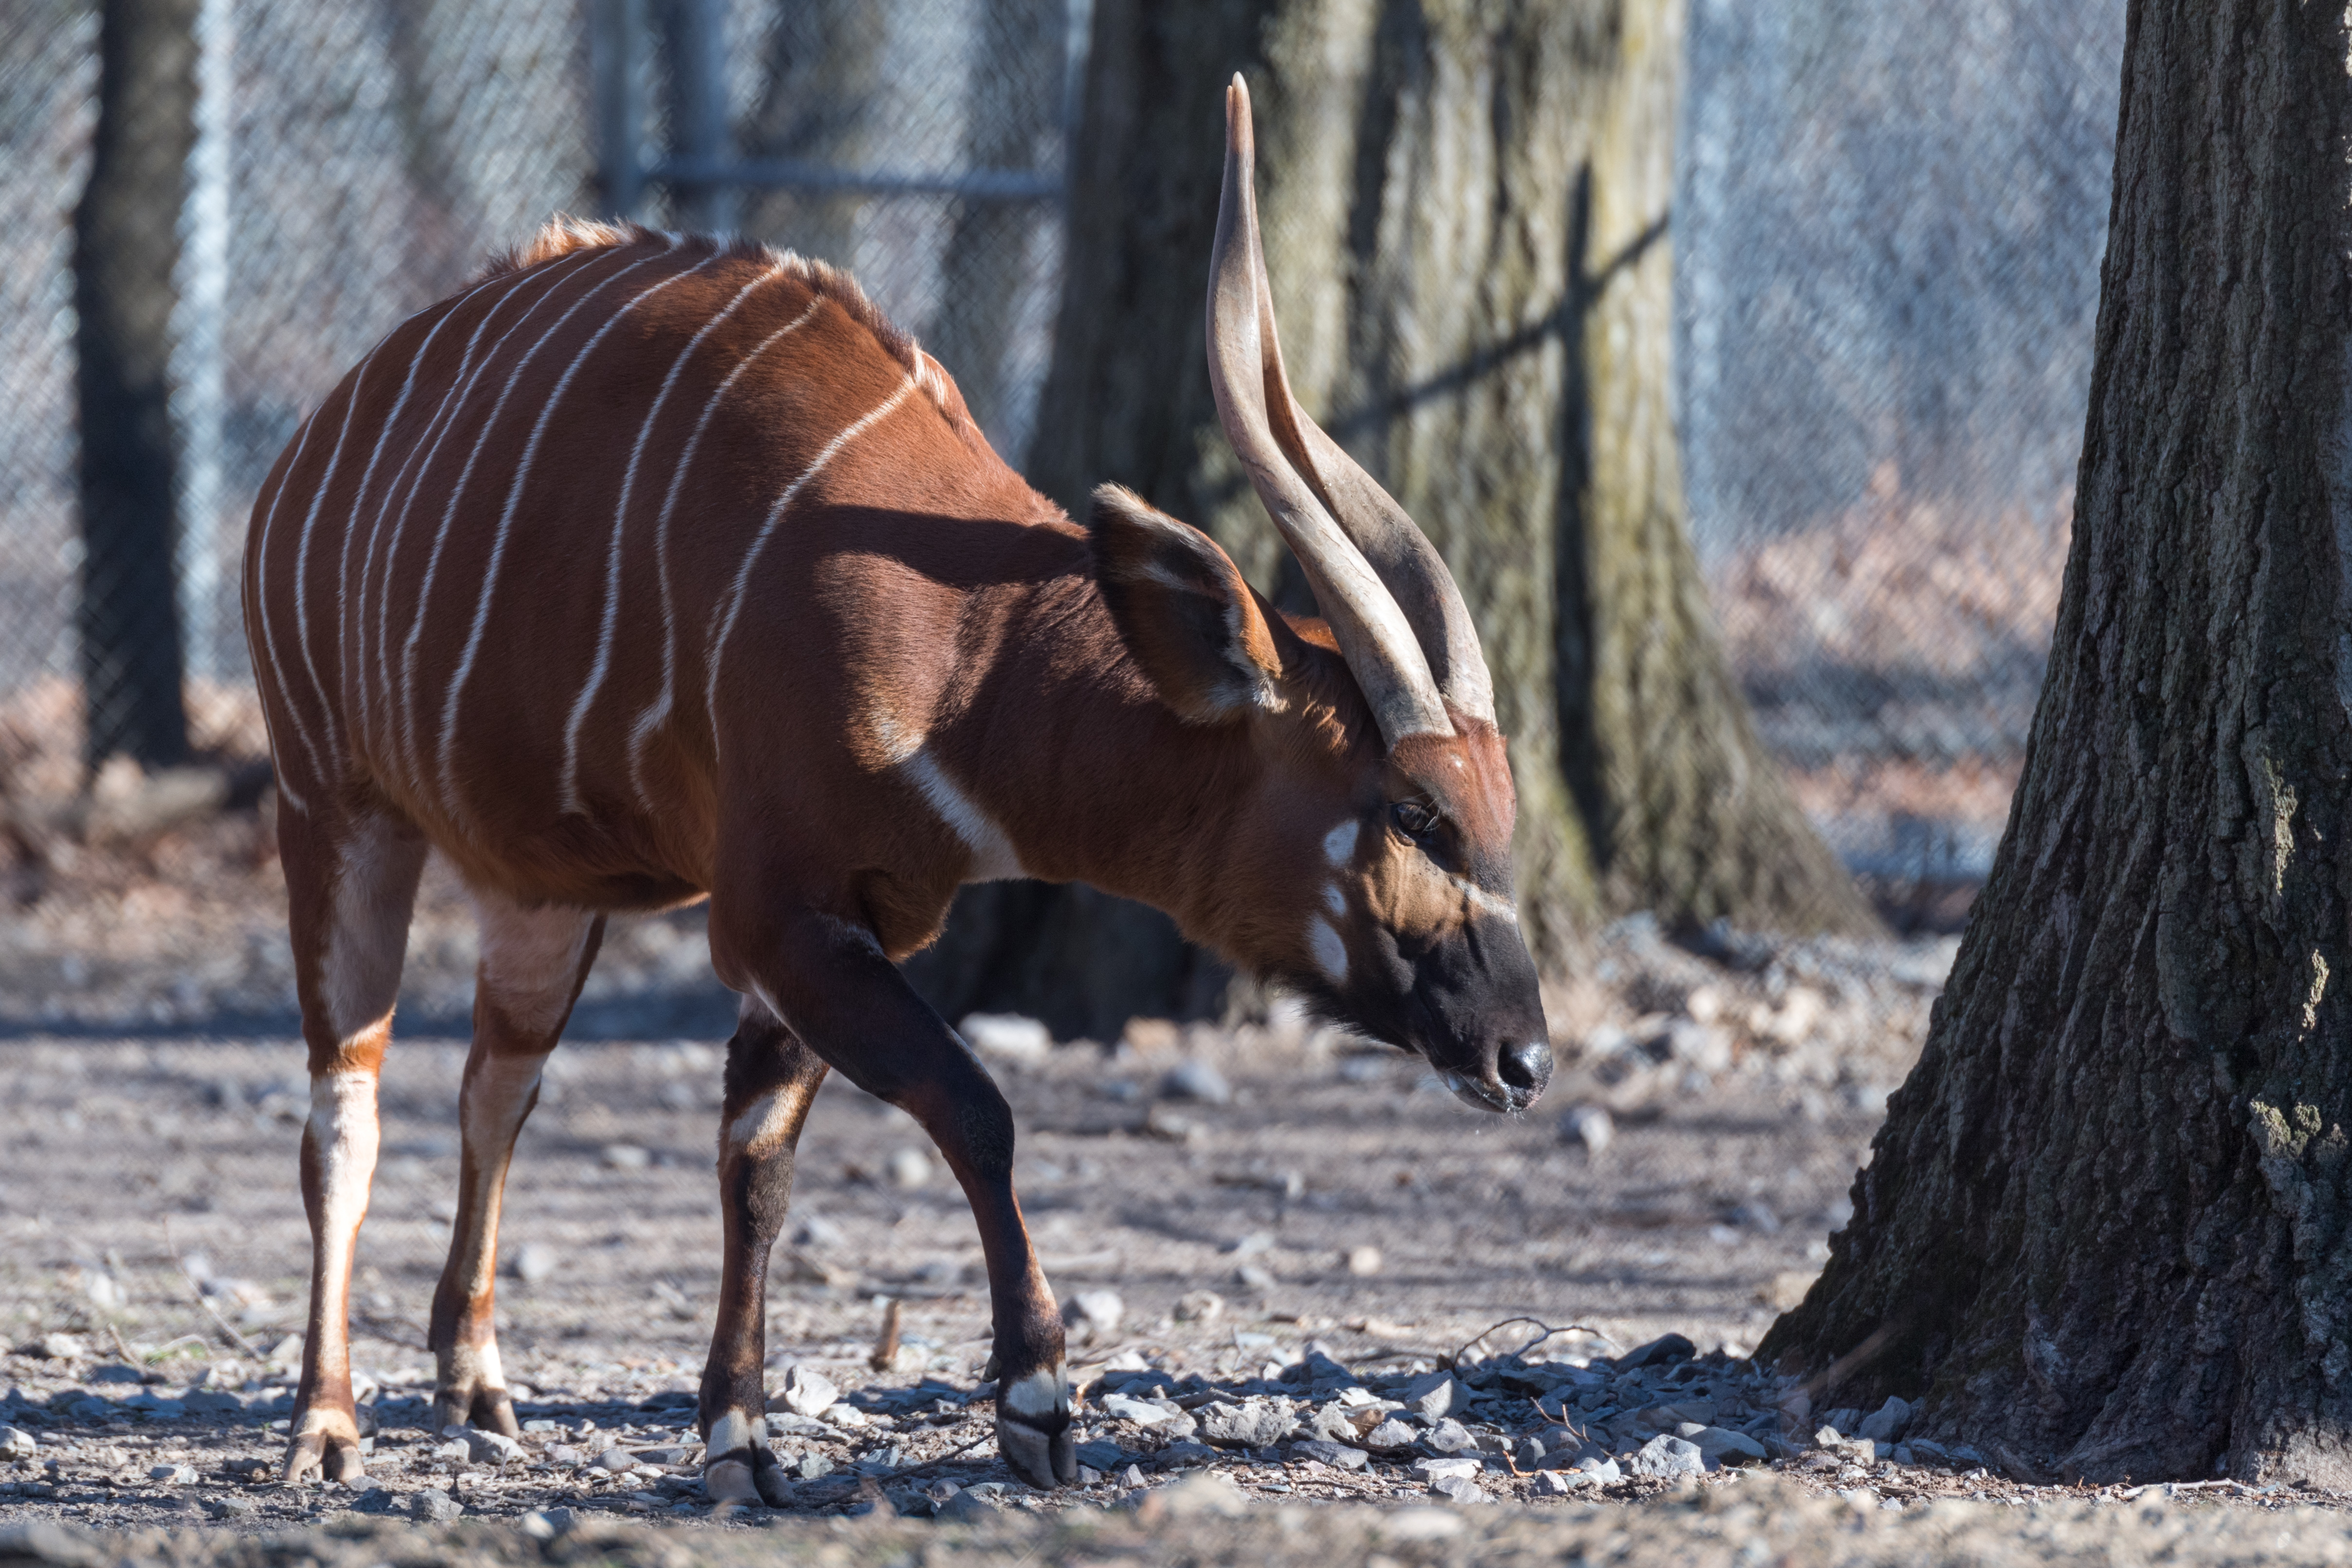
(1525, 1068)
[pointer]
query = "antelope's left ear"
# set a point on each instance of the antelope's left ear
(1180, 603)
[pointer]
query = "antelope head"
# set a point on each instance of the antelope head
(1368, 862)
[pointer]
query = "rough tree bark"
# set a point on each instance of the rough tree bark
(821, 81)
(1466, 210)
(126, 243)
(2106, 1229)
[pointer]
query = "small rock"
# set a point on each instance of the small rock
(1199, 1307)
(1254, 1277)
(1436, 1395)
(546, 1523)
(1197, 1080)
(1589, 1125)
(1703, 1046)
(1133, 1476)
(1093, 1313)
(1560, 1483)
(1334, 1422)
(1460, 1488)
(806, 1391)
(1184, 1456)
(485, 1447)
(1124, 1407)
(15, 1443)
(59, 1347)
(1338, 1456)
(1722, 1445)
(1433, 1469)
(1100, 1455)
(232, 1507)
(1253, 1423)
(627, 1157)
(174, 1475)
(909, 1169)
(1390, 1434)
(433, 1505)
(814, 1466)
(619, 1461)
(375, 1499)
(814, 1231)
(1664, 1459)
(1363, 1260)
(1008, 1037)
(1450, 1436)
(534, 1261)
(842, 1416)
(1887, 1423)
(1664, 1350)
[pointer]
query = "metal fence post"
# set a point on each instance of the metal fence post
(695, 35)
(616, 67)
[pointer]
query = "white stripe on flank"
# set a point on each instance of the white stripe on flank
(420, 457)
(658, 708)
(723, 621)
(356, 618)
(406, 711)
(262, 608)
(570, 789)
(506, 522)
(302, 559)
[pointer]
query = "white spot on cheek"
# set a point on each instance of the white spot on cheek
(1330, 953)
(1335, 901)
(1340, 844)
(1039, 1394)
(736, 1430)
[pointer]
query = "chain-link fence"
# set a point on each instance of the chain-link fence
(1887, 238)
(355, 162)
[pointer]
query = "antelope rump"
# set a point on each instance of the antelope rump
(653, 568)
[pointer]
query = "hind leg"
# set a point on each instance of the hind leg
(771, 1077)
(534, 964)
(351, 881)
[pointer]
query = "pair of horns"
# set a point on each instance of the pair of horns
(1392, 606)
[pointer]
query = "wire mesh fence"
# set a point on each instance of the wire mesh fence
(1887, 233)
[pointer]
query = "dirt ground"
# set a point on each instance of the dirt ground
(1248, 1218)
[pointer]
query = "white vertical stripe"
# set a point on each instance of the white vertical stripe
(506, 524)
(723, 621)
(570, 786)
(353, 607)
(405, 711)
(658, 709)
(421, 457)
(302, 563)
(262, 616)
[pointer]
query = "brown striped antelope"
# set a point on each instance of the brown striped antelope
(653, 568)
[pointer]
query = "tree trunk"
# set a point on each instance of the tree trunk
(126, 243)
(1466, 210)
(2104, 1228)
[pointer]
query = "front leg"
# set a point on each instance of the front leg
(829, 980)
(772, 1079)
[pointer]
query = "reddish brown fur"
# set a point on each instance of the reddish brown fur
(916, 615)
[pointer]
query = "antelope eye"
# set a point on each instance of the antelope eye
(1416, 819)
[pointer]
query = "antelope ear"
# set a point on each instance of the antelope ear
(1186, 615)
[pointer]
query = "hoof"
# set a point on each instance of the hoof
(1043, 1460)
(325, 1455)
(485, 1409)
(747, 1478)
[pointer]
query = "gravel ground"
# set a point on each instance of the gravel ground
(1298, 1272)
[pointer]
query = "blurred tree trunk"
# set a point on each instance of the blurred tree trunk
(1015, 99)
(126, 243)
(823, 88)
(1466, 210)
(2106, 1230)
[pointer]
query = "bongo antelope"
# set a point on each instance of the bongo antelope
(653, 568)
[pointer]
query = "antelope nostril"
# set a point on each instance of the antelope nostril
(1525, 1065)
